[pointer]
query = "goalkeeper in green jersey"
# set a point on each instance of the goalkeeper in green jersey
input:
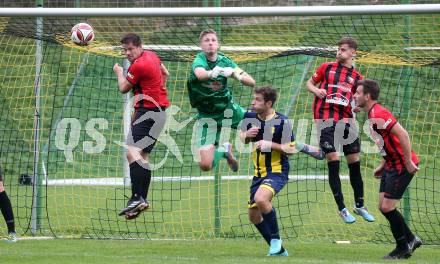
(209, 94)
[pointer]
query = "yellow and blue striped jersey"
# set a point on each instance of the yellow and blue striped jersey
(276, 128)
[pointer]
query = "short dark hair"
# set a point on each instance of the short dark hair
(371, 87)
(132, 38)
(351, 42)
(269, 93)
(206, 32)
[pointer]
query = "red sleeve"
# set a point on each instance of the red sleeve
(134, 74)
(386, 120)
(319, 74)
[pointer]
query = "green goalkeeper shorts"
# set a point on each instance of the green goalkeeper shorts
(208, 127)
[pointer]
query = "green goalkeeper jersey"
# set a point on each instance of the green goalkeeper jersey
(210, 97)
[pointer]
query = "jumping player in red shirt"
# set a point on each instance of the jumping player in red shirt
(146, 77)
(333, 114)
(398, 166)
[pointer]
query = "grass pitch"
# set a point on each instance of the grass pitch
(188, 251)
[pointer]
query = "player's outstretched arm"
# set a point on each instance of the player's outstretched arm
(243, 77)
(201, 74)
(237, 74)
(247, 80)
(310, 150)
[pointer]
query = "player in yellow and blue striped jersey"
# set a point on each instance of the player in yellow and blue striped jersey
(273, 139)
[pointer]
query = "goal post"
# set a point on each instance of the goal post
(83, 118)
(36, 202)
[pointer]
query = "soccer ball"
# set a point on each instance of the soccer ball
(82, 34)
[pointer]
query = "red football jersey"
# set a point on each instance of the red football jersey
(381, 122)
(339, 82)
(148, 82)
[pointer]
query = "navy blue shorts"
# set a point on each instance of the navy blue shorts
(146, 125)
(273, 182)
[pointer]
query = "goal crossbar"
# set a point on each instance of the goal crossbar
(225, 11)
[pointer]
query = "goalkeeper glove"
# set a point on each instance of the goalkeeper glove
(212, 74)
(227, 71)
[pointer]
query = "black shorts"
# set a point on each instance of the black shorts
(349, 145)
(394, 184)
(146, 125)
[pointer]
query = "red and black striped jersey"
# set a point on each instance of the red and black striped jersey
(146, 76)
(339, 83)
(381, 123)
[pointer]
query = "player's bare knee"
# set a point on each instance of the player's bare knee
(205, 166)
(387, 205)
(352, 158)
(332, 156)
(2, 188)
(206, 159)
(263, 204)
(385, 208)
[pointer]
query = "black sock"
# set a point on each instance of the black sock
(335, 183)
(137, 175)
(356, 183)
(8, 214)
(408, 234)
(397, 223)
(264, 231)
(146, 183)
(271, 221)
